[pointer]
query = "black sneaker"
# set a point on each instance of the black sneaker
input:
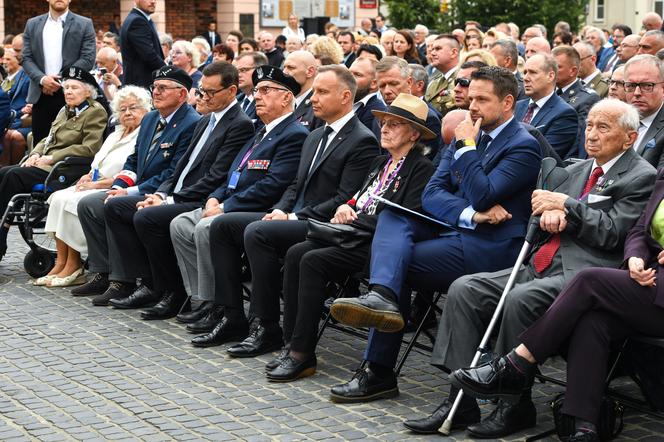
(96, 286)
(116, 290)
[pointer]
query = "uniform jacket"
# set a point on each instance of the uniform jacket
(141, 49)
(581, 98)
(600, 85)
(304, 113)
(439, 93)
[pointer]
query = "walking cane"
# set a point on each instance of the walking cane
(550, 178)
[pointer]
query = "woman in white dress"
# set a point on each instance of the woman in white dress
(129, 106)
(293, 29)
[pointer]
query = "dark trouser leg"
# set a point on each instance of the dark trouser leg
(44, 112)
(127, 255)
(226, 248)
(152, 226)
(91, 215)
(437, 261)
(316, 268)
(15, 179)
(266, 243)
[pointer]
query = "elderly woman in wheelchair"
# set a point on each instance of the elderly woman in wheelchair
(129, 106)
(77, 130)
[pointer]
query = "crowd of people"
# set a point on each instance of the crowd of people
(281, 160)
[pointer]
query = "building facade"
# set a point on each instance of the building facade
(606, 13)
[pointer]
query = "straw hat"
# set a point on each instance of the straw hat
(412, 109)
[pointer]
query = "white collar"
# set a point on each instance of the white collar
(299, 99)
(218, 115)
(367, 97)
(341, 122)
(272, 124)
(542, 101)
(590, 77)
(60, 19)
(608, 165)
(647, 121)
(145, 14)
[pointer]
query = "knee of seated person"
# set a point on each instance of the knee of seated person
(459, 289)
(253, 231)
(517, 298)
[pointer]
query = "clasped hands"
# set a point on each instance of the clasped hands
(36, 160)
(638, 272)
(550, 207)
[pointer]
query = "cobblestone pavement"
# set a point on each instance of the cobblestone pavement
(71, 371)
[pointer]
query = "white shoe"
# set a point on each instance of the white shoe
(44, 280)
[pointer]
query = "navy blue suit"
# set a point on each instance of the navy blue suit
(409, 252)
(153, 169)
(367, 118)
(556, 120)
(603, 57)
(269, 170)
(18, 95)
(141, 49)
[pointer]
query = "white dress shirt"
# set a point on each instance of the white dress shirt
(52, 43)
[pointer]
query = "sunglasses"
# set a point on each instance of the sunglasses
(463, 82)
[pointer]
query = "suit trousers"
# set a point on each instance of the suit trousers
(597, 307)
(17, 179)
(90, 211)
(472, 300)
(190, 234)
(44, 112)
(267, 243)
(308, 268)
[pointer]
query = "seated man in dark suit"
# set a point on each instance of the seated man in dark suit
(246, 63)
(366, 97)
(140, 223)
(163, 138)
(583, 222)
(335, 159)
(545, 109)
(259, 175)
(483, 189)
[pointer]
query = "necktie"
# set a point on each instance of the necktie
(194, 153)
(483, 144)
(321, 148)
(559, 91)
(544, 255)
(529, 113)
(639, 138)
(155, 138)
(245, 104)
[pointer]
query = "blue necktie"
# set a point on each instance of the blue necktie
(197, 150)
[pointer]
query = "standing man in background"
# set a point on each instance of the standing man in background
(140, 46)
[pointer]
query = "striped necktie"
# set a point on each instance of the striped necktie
(155, 138)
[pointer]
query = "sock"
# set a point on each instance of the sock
(383, 291)
(584, 426)
(380, 370)
(521, 364)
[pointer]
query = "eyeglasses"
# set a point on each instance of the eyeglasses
(645, 87)
(132, 108)
(463, 82)
(583, 58)
(161, 88)
(209, 93)
(617, 83)
(391, 124)
(264, 90)
(243, 70)
(623, 45)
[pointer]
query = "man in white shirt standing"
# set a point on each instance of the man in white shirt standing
(53, 42)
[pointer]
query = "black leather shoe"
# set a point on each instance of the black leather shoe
(261, 340)
(365, 386)
(369, 310)
(274, 363)
(96, 286)
(583, 436)
(506, 419)
(168, 307)
(497, 379)
(195, 315)
(467, 414)
(208, 322)
(116, 290)
(291, 369)
(225, 331)
(143, 296)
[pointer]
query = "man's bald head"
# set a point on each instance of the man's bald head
(537, 45)
(450, 121)
(301, 65)
(652, 21)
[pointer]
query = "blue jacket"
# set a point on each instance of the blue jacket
(556, 120)
(268, 171)
(141, 49)
(154, 169)
(18, 95)
(367, 118)
(506, 175)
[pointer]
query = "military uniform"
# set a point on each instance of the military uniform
(599, 85)
(440, 93)
(581, 98)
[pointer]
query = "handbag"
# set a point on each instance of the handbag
(345, 236)
(610, 419)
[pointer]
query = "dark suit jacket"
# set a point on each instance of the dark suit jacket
(79, 47)
(210, 167)
(519, 81)
(304, 113)
(603, 57)
(367, 118)
(422, 51)
(581, 98)
(275, 57)
(217, 39)
(18, 95)
(141, 50)
(556, 120)
(251, 112)
(159, 166)
(268, 171)
(640, 243)
(337, 176)
(505, 175)
(351, 58)
(5, 112)
(652, 144)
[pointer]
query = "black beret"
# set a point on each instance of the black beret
(76, 73)
(173, 73)
(273, 73)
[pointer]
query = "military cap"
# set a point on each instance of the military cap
(76, 73)
(273, 73)
(174, 74)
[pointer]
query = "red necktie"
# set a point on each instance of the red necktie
(529, 113)
(544, 255)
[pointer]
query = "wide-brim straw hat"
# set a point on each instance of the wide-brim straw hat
(412, 109)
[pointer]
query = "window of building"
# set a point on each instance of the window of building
(658, 6)
(599, 10)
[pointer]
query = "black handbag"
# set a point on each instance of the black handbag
(610, 419)
(345, 236)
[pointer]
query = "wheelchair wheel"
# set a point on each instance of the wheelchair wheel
(38, 262)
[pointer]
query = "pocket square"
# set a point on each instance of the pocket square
(597, 198)
(650, 144)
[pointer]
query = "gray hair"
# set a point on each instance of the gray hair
(659, 35)
(141, 95)
(203, 42)
(92, 89)
(587, 46)
(628, 115)
(647, 59)
(166, 39)
(598, 32)
(418, 73)
(258, 58)
(508, 47)
(390, 62)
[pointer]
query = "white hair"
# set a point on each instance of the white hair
(628, 115)
(141, 95)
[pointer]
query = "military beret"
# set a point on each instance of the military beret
(273, 73)
(173, 73)
(76, 73)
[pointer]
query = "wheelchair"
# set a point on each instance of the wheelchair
(28, 211)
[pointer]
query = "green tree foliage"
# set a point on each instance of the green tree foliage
(407, 13)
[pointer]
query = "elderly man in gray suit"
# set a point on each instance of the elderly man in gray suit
(52, 43)
(644, 89)
(583, 223)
